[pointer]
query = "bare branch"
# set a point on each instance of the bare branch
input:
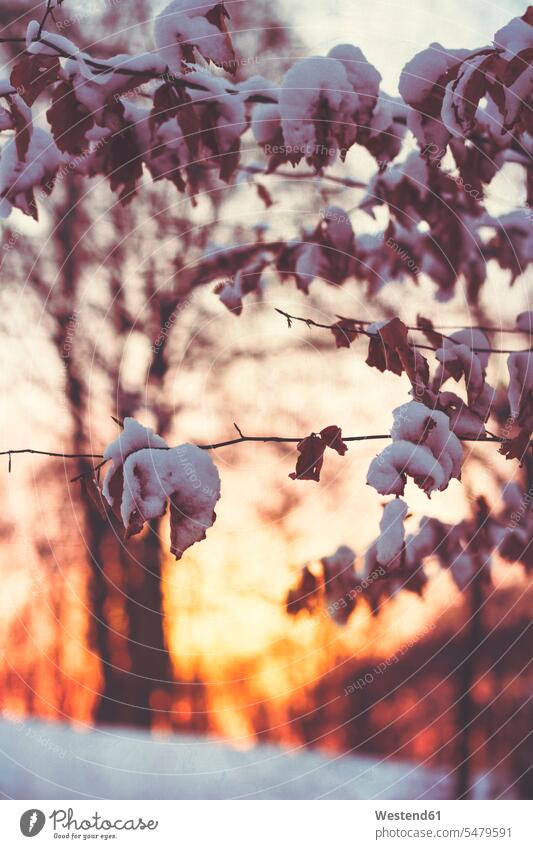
(361, 329)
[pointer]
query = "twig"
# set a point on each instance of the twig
(348, 182)
(214, 445)
(360, 329)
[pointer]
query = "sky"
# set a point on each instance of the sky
(390, 33)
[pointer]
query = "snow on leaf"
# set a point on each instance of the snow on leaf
(390, 543)
(184, 26)
(145, 475)
(423, 447)
(18, 179)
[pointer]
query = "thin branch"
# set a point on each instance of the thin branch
(360, 329)
(348, 182)
(214, 445)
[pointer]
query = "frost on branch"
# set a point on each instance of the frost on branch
(145, 475)
(423, 447)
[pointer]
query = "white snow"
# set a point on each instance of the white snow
(40, 165)
(153, 474)
(390, 542)
(132, 438)
(311, 86)
(422, 72)
(362, 76)
(184, 22)
(515, 36)
(40, 760)
(423, 447)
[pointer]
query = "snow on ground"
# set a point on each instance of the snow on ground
(40, 760)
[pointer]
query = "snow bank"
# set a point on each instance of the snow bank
(40, 760)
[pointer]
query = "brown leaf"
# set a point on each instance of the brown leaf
(426, 326)
(304, 595)
(69, 120)
(31, 74)
(332, 436)
(22, 128)
(515, 448)
(309, 463)
(345, 332)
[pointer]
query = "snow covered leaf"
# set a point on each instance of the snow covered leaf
(423, 447)
(22, 123)
(145, 475)
(185, 26)
(248, 279)
(458, 359)
(390, 543)
(316, 106)
(31, 75)
(19, 179)
(520, 393)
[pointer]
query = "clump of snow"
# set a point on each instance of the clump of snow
(145, 475)
(19, 178)
(422, 447)
(514, 37)
(362, 76)
(316, 99)
(420, 74)
(266, 123)
(183, 25)
(390, 543)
